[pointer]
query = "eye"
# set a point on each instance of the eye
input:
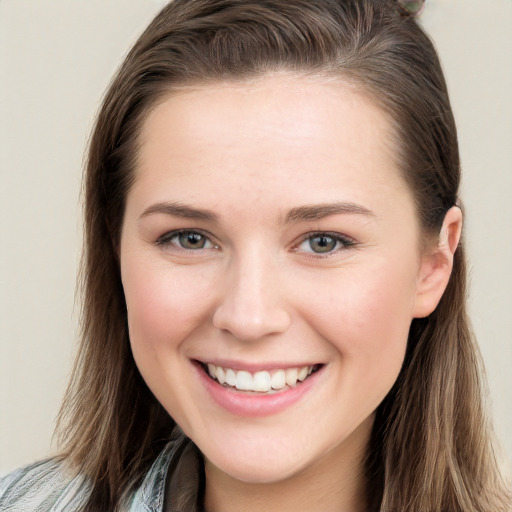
(186, 239)
(324, 243)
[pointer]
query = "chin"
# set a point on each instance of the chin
(257, 472)
(262, 461)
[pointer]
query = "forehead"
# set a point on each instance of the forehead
(295, 133)
(306, 108)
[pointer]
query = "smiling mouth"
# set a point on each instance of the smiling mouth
(264, 381)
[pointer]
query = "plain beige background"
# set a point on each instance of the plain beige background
(56, 58)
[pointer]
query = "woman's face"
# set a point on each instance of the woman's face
(269, 240)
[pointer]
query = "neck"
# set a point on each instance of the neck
(336, 482)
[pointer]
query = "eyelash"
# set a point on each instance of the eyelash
(341, 242)
(167, 239)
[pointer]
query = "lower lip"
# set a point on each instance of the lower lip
(246, 404)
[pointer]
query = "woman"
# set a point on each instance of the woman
(273, 264)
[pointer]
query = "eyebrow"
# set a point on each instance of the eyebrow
(180, 210)
(298, 214)
(320, 211)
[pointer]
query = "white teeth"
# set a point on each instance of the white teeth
(302, 373)
(278, 380)
(291, 376)
(262, 381)
(220, 374)
(243, 381)
(230, 377)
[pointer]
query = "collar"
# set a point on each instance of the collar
(175, 481)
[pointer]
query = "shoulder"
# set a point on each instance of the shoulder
(175, 477)
(43, 487)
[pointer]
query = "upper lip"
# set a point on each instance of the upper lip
(255, 366)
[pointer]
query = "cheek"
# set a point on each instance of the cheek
(366, 318)
(163, 306)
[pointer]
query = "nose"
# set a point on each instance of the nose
(253, 303)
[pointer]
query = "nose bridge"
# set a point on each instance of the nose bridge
(252, 303)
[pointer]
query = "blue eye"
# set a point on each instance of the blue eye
(186, 239)
(324, 243)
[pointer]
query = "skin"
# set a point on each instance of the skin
(257, 293)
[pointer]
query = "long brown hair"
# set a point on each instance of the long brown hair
(430, 449)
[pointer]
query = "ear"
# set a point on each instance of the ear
(437, 264)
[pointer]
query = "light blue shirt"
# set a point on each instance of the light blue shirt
(172, 481)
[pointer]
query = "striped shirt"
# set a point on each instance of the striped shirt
(172, 484)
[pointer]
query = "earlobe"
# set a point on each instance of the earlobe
(437, 264)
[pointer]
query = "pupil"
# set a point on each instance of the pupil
(323, 243)
(191, 240)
